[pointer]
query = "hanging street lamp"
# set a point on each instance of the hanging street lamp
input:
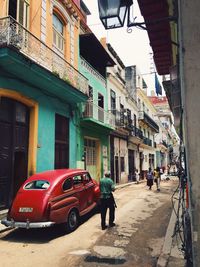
(112, 13)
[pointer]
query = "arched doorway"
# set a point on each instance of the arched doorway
(14, 135)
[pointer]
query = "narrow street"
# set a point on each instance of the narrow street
(142, 218)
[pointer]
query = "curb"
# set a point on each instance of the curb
(123, 185)
(3, 214)
(128, 184)
(166, 249)
(5, 229)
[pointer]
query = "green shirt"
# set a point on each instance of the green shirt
(106, 187)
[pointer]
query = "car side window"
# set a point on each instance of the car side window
(77, 180)
(86, 178)
(67, 184)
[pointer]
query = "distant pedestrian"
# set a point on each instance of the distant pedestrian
(174, 170)
(137, 176)
(168, 169)
(107, 201)
(157, 178)
(149, 178)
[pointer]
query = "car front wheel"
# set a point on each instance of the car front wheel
(72, 221)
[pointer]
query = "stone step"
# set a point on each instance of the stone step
(3, 213)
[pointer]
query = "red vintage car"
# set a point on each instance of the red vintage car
(53, 197)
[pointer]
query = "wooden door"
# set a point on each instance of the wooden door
(61, 142)
(14, 135)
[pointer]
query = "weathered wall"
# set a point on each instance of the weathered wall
(47, 108)
(190, 81)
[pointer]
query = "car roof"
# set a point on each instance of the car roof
(55, 175)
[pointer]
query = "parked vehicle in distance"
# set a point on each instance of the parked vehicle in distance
(53, 197)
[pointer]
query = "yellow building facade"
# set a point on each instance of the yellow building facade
(148, 126)
(56, 23)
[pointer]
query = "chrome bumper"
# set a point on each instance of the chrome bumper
(27, 224)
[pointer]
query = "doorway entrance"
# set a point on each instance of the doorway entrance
(141, 165)
(91, 148)
(117, 178)
(131, 165)
(61, 142)
(14, 136)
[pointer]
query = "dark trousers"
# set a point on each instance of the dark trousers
(107, 203)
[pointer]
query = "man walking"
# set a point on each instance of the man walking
(107, 200)
(150, 178)
(157, 178)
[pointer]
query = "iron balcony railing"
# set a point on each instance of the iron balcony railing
(148, 120)
(119, 118)
(99, 114)
(13, 34)
(93, 71)
(122, 120)
(136, 132)
(147, 141)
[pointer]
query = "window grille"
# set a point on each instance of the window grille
(91, 152)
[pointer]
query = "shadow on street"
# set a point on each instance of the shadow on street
(42, 235)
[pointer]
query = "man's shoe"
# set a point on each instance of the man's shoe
(104, 227)
(112, 225)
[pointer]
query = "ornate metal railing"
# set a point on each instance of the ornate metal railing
(95, 112)
(147, 141)
(13, 34)
(92, 71)
(148, 120)
(136, 132)
(122, 120)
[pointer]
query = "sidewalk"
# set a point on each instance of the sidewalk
(171, 256)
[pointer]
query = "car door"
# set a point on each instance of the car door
(80, 191)
(89, 188)
(62, 200)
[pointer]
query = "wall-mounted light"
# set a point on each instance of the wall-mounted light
(83, 157)
(112, 13)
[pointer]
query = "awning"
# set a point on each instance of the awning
(159, 32)
(94, 53)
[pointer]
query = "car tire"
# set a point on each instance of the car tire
(72, 220)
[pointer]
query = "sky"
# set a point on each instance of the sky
(133, 48)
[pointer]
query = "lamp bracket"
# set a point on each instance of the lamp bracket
(151, 22)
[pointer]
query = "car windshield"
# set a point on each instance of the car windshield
(38, 184)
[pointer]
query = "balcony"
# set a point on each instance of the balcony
(95, 114)
(143, 116)
(122, 120)
(93, 72)
(119, 121)
(27, 54)
(136, 132)
(147, 141)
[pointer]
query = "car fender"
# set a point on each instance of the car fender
(60, 209)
